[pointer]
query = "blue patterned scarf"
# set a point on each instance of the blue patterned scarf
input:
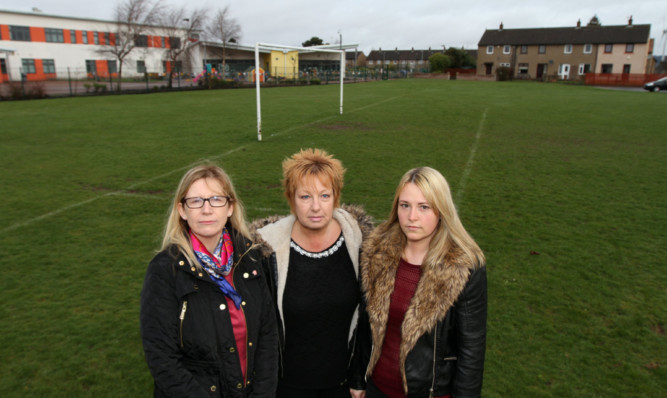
(219, 264)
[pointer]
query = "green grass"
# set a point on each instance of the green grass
(573, 174)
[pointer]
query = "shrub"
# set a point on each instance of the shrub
(315, 81)
(37, 90)
(503, 73)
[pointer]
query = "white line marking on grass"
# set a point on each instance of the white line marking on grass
(119, 192)
(471, 158)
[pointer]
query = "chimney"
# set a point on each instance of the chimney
(630, 21)
(578, 23)
(501, 26)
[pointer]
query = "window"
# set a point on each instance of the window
(164, 66)
(606, 68)
(626, 68)
(524, 49)
(54, 35)
(72, 36)
(608, 48)
(178, 67)
(111, 66)
(630, 48)
(174, 42)
(505, 64)
(49, 66)
(19, 33)
(567, 49)
(542, 49)
(489, 49)
(91, 67)
(523, 69)
(96, 37)
(162, 42)
(141, 67)
(28, 65)
(507, 49)
(588, 48)
(141, 41)
(84, 37)
(3, 66)
(584, 68)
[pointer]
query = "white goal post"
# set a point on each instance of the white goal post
(301, 50)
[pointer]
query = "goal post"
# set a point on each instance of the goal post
(300, 50)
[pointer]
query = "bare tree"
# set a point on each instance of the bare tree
(132, 20)
(226, 29)
(180, 26)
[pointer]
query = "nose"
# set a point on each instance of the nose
(207, 208)
(315, 205)
(412, 215)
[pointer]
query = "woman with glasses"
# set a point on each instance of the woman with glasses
(208, 323)
(425, 283)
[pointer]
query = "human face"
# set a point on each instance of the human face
(206, 222)
(313, 203)
(417, 218)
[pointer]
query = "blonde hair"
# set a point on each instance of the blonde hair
(176, 229)
(312, 163)
(450, 233)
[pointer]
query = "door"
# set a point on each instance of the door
(541, 71)
(564, 71)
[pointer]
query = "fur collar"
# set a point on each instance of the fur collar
(437, 291)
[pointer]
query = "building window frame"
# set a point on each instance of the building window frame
(489, 49)
(19, 33)
(507, 49)
(91, 66)
(112, 66)
(606, 68)
(141, 66)
(54, 35)
(141, 41)
(3, 66)
(629, 48)
(588, 48)
(584, 68)
(72, 36)
(567, 49)
(626, 69)
(49, 66)
(96, 37)
(28, 65)
(524, 49)
(84, 37)
(542, 49)
(608, 48)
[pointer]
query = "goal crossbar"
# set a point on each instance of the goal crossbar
(279, 47)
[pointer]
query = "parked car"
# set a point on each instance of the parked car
(660, 84)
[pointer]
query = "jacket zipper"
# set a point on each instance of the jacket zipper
(435, 345)
(182, 318)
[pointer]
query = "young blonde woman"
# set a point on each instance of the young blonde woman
(315, 258)
(208, 322)
(425, 283)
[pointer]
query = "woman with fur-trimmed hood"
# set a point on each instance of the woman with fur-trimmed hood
(425, 283)
(314, 256)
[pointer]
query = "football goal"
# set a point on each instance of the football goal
(285, 50)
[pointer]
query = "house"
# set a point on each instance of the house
(566, 53)
(405, 60)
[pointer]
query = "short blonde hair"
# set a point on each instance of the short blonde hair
(450, 232)
(176, 229)
(309, 163)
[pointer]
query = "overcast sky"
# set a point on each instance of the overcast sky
(387, 24)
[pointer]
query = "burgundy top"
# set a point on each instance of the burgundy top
(387, 375)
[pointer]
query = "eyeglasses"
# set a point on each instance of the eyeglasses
(214, 201)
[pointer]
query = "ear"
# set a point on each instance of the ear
(230, 211)
(182, 212)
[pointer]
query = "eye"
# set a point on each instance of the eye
(425, 207)
(326, 196)
(304, 197)
(403, 205)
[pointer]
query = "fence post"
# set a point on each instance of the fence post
(69, 81)
(146, 77)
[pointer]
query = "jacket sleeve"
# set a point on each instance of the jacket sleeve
(159, 316)
(266, 361)
(471, 336)
(361, 350)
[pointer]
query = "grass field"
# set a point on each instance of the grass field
(564, 187)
